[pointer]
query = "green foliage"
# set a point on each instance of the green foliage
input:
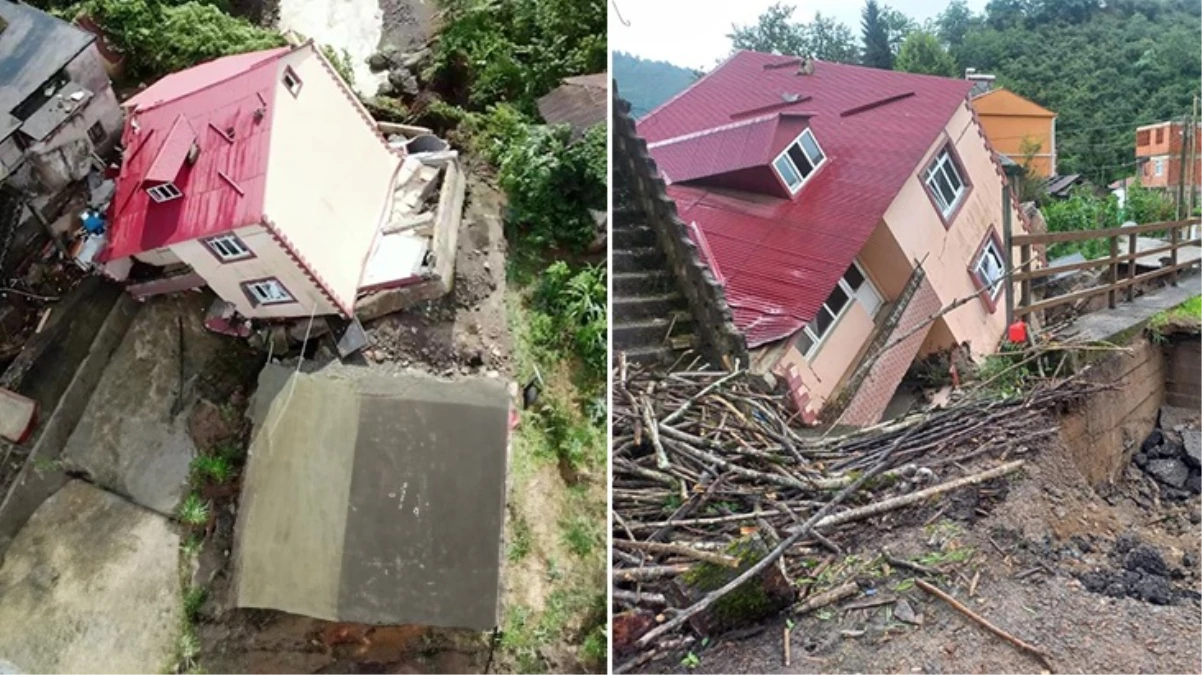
(552, 184)
(193, 511)
(566, 439)
(217, 468)
(595, 648)
(517, 50)
(646, 84)
(877, 53)
(581, 535)
(571, 310)
(823, 38)
(922, 53)
(1082, 211)
(1003, 374)
(341, 61)
(1147, 206)
(191, 545)
(520, 540)
(690, 661)
(43, 465)
(1188, 312)
(194, 598)
(158, 37)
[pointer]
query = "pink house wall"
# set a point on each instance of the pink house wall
(948, 251)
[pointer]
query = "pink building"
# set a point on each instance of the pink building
(839, 206)
(262, 176)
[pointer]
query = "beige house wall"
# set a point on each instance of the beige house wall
(270, 261)
(330, 174)
(831, 359)
(949, 251)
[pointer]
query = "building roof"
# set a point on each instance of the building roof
(780, 257)
(33, 47)
(581, 101)
(1006, 102)
(224, 188)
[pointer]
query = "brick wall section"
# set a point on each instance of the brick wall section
(1183, 382)
(721, 340)
(1107, 429)
(869, 401)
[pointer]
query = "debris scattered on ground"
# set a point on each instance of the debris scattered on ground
(718, 454)
(1172, 455)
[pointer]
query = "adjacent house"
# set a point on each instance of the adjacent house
(839, 207)
(262, 176)
(580, 102)
(57, 108)
(1158, 152)
(1017, 127)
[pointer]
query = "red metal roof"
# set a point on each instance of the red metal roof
(171, 155)
(224, 188)
(725, 149)
(779, 258)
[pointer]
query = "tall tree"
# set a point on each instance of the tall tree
(954, 22)
(824, 38)
(877, 53)
(922, 53)
(897, 27)
(774, 31)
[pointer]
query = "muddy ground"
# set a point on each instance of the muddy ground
(1031, 541)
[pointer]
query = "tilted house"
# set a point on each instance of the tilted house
(262, 176)
(1019, 129)
(839, 207)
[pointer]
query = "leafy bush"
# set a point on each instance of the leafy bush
(1082, 211)
(552, 185)
(341, 61)
(570, 312)
(158, 38)
(517, 50)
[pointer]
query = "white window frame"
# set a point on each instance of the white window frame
(292, 81)
(978, 264)
(1158, 165)
(810, 330)
(793, 165)
(945, 164)
(261, 292)
(228, 248)
(164, 192)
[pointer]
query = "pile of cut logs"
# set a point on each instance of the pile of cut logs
(704, 461)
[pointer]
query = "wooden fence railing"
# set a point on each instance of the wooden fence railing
(1024, 274)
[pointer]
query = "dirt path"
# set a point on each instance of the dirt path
(1028, 548)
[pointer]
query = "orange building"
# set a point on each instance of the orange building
(1158, 151)
(1018, 128)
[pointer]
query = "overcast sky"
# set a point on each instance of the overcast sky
(692, 33)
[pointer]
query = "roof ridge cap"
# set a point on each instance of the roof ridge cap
(712, 130)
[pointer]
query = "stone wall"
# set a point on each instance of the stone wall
(1183, 371)
(1105, 431)
(721, 340)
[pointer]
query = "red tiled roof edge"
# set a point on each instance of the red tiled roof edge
(303, 264)
(354, 98)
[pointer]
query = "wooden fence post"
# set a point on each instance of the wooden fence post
(1174, 238)
(1114, 271)
(1131, 244)
(1025, 295)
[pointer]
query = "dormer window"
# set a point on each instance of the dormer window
(799, 161)
(291, 82)
(164, 192)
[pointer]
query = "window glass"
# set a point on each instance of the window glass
(811, 147)
(785, 169)
(800, 160)
(837, 300)
(853, 277)
(822, 322)
(804, 342)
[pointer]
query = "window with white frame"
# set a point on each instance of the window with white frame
(291, 81)
(799, 161)
(990, 268)
(943, 180)
(267, 292)
(164, 192)
(1159, 163)
(228, 248)
(854, 285)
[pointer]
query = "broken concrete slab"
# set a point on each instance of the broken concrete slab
(374, 499)
(133, 437)
(1171, 472)
(91, 585)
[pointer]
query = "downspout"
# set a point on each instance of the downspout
(1012, 174)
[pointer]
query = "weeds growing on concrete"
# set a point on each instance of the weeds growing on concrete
(216, 468)
(43, 465)
(193, 510)
(1189, 311)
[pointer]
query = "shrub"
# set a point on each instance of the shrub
(571, 313)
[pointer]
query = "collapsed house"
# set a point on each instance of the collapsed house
(58, 114)
(834, 208)
(263, 177)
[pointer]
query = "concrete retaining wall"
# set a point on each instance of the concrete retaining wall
(60, 369)
(1107, 429)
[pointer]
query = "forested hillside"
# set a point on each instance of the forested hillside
(1105, 66)
(646, 84)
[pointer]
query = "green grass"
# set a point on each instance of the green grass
(42, 465)
(193, 599)
(1187, 312)
(216, 468)
(191, 545)
(193, 510)
(520, 540)
(581, 535)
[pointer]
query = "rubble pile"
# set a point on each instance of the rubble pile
(721, 507)
(1139, 571)
(1172, 455)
